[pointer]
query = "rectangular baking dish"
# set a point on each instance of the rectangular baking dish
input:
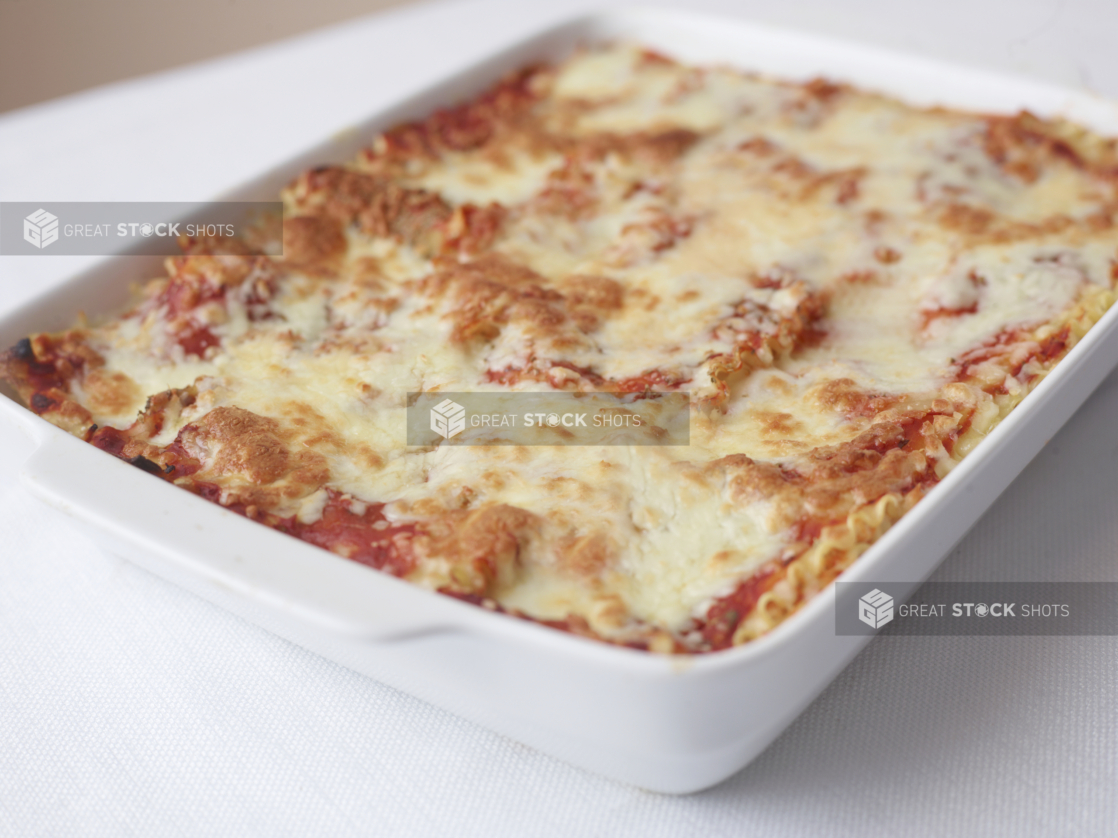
(669, 724)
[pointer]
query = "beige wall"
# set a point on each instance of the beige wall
(52, 47)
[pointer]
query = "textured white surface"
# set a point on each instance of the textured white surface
(128, 707)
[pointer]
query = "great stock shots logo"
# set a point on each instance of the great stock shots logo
(875, 609)
(140, 228)
(547, 418)
(448, 418)
(40, 228)
(1051, 609)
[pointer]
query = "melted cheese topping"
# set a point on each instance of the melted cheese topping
(896, 235)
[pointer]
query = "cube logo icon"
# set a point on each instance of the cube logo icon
(40, 228)
(448, 418)
(875, 609)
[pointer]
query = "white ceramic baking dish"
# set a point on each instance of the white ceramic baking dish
(667, 724)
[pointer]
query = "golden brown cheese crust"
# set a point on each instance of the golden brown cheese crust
(853, 292)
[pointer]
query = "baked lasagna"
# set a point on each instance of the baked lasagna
(851, 291)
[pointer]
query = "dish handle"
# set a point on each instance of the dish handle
(225, 557)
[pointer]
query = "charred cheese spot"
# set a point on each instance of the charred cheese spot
(661, 147)
(235, 443)
(480, 297)
(250, 458)
(587, 555)
(476, 551)
(111, 393)
(844, 396)
(830, 483)
(597, 292)
(314, 243)
(339, 193)
(473, 229)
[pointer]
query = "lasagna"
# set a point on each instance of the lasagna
(851, 292)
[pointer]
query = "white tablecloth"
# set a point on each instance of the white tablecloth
(129, 707)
